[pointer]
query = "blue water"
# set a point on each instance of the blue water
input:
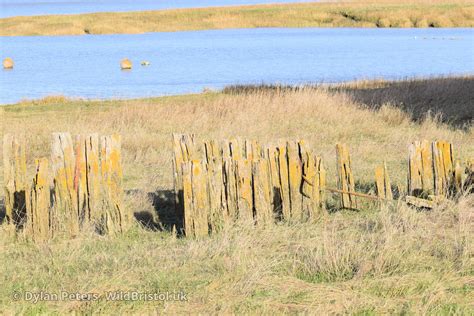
(185, 62)
(40, 7)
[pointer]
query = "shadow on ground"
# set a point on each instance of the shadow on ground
(165, 217)
(452, 99)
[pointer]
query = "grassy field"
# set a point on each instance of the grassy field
(397, 260)
(455, 13)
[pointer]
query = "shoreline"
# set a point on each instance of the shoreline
(293, 15)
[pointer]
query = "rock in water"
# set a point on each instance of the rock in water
(126, 64)
(8, 63)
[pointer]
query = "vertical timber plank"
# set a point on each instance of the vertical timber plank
(66, 217)
(262, 192)
(345, 177)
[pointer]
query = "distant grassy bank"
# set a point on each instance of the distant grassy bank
(456, 13)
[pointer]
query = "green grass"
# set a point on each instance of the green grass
(456, 13)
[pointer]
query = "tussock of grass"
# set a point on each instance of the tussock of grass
(394, 261)
(456, 13)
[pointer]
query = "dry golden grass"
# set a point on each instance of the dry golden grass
(397, 260)
(456, 13)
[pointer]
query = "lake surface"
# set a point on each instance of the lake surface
(40, 7)
(185, 62)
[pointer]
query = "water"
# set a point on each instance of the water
(31, 7)
(186, 62)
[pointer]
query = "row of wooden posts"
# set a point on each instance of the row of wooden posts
(79, 187)
(216, 183)
(240, 180)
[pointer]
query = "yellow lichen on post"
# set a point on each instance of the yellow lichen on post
(216, 195)
(113, 217)
(184, 150)
(200, 199)
(66, 217)
(426, 167)
(235, 146)
(415, 169)
(93, 178)
(272, 156)
(14, 168)
(262, 192)
(382, 182)
(443, 167)
(295, 178)
(38, 206)
(244, 190)
(345, 178)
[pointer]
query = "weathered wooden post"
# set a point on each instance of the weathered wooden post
(216, 195)
(345, 178)
(295, 177)
(231, 190)
(244, 190)
(199, 199)
(38, 204)
(382, 182)
(14, 171)
(443, 167)
(114, 218)
(66, 215)
(87, 182)
(262, 190)
(284, 179)
(184, 150)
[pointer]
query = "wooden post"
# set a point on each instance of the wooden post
(184, 150)
(244, 190)
(66, 216)
(38, 204)
(14, 168)
(200, 199)
(443, 167)
(216, 195)
(295, 176)
(230, 183)
(382, 182)
(310, 183)
(284, 180)
(262, 190)
(186, 168)
(345, 179)
(272, 156)
(415, 169)
(111, 175)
